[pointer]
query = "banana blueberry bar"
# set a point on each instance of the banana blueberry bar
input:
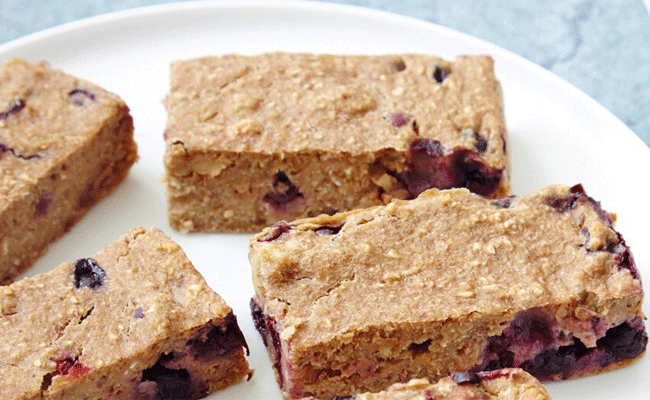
(504, 384)
(135, 321)
(64, 145)
(448, 282)
(254, 140)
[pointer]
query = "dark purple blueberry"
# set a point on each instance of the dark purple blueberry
(170, 383)
(14, 107)
(218, 341)
(78, 97)
(330, 211)
(87, 273)
(428, 166)
(467, 377)
(398, 119)
(480, 142)
(268, 329)
(623, 257)
(527, 328)
(476, 176)
(503, 202)
(42, 206)
(562, 362)
(503, 359)
(344, 398)
(531, 327)
(622, 342)
(439, 74)
(283, 194)
(277, 230)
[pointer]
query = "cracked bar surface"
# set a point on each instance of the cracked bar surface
(134, 321)
(64, 145)
(504, 384)
(447, 282)
(254, 140)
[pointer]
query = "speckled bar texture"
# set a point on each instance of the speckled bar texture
(574, 39)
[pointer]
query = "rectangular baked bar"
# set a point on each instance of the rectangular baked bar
(254, 140)
(135, 321)
(64, 145)
(502, 384)
(448, 282)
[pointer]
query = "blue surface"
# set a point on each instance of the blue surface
(601, 47)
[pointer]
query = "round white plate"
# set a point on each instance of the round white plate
(558, 135)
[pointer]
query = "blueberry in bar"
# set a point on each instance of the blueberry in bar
(253, 140)
(64, 145)
(504, 384)
(134, 321)
(450, 281)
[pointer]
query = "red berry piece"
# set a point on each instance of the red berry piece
(217, 341)
(277, 230)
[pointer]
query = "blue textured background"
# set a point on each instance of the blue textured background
(601, 47)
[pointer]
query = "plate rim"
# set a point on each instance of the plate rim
(353, 12)
(92, 22)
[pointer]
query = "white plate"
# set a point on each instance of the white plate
(558, 135)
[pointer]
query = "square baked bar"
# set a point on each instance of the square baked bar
(503, 384)
(448, 282)
(135, 321)
(254, 140)
(64, 145)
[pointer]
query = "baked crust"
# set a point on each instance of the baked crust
(254, 140)
(447, 282)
